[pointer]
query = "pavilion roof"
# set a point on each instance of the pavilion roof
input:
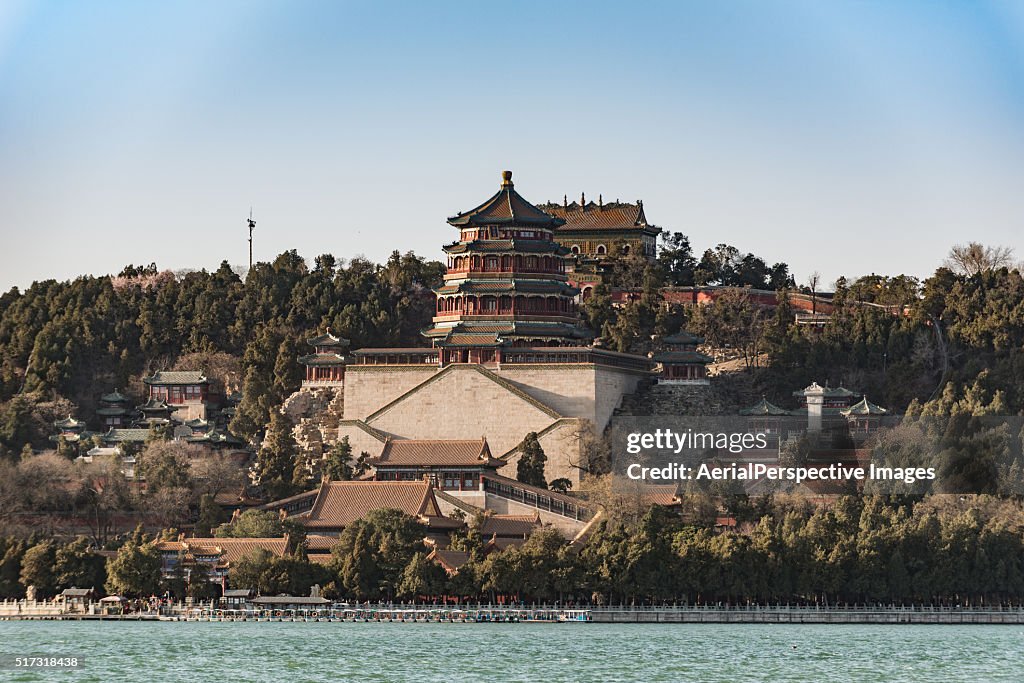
(289, 600)
(518, 526)
(506, 207)
(114, 397)
(764, 408)
(587, 216)
(339, 503)
(320, 544)
(864, 407)
(683, 338)
(112, 411)
(666, 495)
(125, 435)
(436, 453)
(69, 423)
(328, 339)
(682, 357)
(176, 377)
(228, 550)
(155, 405)
(826, 391)
(450, 560)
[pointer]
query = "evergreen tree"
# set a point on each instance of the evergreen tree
(135, 571)
(275, 462)
(37, 569)
(77, 566)
(339, 457)
(210, 516)
(530, 469)
(420, 578)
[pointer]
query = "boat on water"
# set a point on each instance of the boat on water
(574, 616)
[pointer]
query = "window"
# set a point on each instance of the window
(601, 250)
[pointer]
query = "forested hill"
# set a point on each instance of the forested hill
(953, 342)
(73, 341)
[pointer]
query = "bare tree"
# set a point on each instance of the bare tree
(813, 281)
(104, 492)
(973, 258)
(733, 321)
(214, 473)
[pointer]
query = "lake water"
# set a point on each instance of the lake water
(165, 652)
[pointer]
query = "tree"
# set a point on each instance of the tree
(339, 457)
(214, 473)
(250, 570)
(973, 258)
(134, 571)
(199, 585)
(561, 485)
(676, 259)
(374, 551)
(165, 464)
(12, 551)
(733, 321)
(253, 524)
(813, 281)
(421, 577)
(37, 568)
(530, 468)
(77, 566)
(275, 463)
(210, 515)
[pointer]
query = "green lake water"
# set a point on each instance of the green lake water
(534, 653)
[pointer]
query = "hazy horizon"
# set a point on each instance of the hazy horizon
(846, 138)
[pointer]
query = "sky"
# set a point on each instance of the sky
(842, 137)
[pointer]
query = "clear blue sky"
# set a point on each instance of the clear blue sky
(842, 137)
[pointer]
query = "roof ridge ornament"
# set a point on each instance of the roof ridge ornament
(506, 179)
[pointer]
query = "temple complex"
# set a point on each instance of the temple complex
(508, 352)
(595, 233)
(455, 465)
(326, 365)
(821, 408)
(505, 285)
(680, 362)
(115, 410)
(187, 392)
(70, 430)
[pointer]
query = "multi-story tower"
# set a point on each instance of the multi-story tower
(506, 284)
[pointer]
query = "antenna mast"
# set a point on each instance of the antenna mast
(252, 224)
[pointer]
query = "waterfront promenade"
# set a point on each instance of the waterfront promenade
(408, 613)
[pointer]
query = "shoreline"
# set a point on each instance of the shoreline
(663, 615)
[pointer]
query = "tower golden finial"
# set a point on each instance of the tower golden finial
(506, 178)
